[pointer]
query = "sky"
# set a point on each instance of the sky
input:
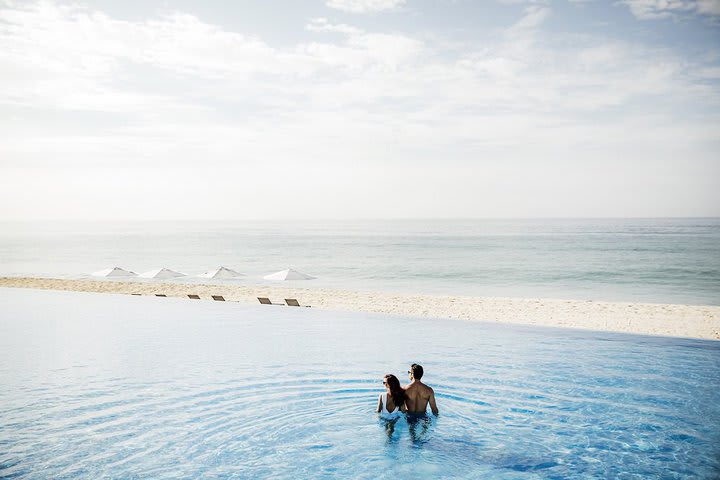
(359, 109)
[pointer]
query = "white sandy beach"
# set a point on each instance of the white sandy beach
(693, 321)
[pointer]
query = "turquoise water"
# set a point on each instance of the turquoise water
(648, 260)
(104, 386)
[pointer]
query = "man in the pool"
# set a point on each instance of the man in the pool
(418, 394)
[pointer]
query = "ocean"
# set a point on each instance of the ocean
(660, 260)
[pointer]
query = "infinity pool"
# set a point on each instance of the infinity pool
(136, 387)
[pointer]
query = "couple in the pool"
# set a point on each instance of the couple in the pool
(412, 399)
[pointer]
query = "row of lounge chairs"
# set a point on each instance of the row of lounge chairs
(291, 302)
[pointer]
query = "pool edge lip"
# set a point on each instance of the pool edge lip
(560, 329)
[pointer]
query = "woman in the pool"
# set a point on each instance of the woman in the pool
(392, 401)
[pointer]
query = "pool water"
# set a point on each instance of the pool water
(138, 387)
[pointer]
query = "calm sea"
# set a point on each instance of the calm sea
(648, 260)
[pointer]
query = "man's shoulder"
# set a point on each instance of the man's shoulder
(425, 388)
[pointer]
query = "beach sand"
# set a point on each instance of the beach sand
(693, 321)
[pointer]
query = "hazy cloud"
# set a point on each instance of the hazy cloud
(364, 6)
(655, 9)
(323, 25)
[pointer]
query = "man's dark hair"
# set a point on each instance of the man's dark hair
(417, 371)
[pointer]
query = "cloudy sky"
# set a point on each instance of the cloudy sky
(359, 109)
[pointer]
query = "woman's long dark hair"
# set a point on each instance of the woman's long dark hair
(397, 392)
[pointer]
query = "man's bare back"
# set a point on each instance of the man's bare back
(418, 394)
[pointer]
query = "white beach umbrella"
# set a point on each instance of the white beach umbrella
(289, 274)
(162, 273)
(114, 272)
(221, 272)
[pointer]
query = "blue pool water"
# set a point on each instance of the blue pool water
(138, 387)
(657, 260)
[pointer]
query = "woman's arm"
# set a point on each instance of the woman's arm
(379, 406)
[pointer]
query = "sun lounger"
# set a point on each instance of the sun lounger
(294, 303)
(160, 295)
(136, 294)
(266, 301)
(218, 298)
(194, 297)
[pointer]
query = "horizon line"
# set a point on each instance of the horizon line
(359, 219)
